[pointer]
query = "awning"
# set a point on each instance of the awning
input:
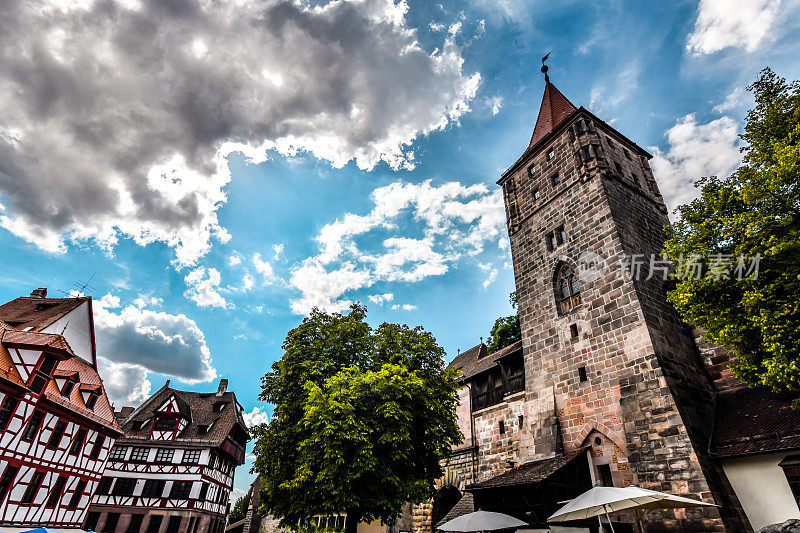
(535, 471)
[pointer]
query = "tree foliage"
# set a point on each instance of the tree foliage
(239, 509)
(506, 329)
(754, 212)
(362, 418)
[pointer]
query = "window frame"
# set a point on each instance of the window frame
(78, 440)
(566, 277)
(57, 434)
(57, 492)
(164, 451)
(136, 454)
(124, 486)
(114, 454)
(195, 455)
(9, 475)
(33, 488)
(181, 490)
(97, 447)
(75, 499)
(29, 428)
(153, 488)
(555, 179)
(7, 401)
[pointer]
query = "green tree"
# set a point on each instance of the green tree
(506, 329)
(239, 509)
(362, 418)
(754, 212)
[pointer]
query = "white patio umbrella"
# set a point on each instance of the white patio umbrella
(481, 521)
(603, 500)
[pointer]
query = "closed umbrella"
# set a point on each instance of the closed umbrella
(481, 521)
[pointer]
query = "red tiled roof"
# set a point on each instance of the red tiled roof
(8, 370)
(89, 379)
(55, 343)
(554, 109)
(477, 359)
(37, 313)
(754, 420)
(532, 471)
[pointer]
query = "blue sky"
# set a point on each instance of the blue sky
(362, 139)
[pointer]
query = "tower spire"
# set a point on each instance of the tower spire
(545, 68)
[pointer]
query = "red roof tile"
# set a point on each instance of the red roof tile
(754, 420)
(554, 109)
(37, 313)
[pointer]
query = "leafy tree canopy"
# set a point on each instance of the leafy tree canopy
(506, 329)
(239, 509)
(362, 418)
(754, 212)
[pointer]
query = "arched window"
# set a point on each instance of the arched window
(568, 290)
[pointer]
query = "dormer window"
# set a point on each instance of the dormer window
(219, 406)
(66, 390)
(42, 374)
(165, 424)
(91, 400)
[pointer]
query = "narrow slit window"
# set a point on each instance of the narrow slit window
(573, 331)
(555, 179)
(582, 373)
(502, 427)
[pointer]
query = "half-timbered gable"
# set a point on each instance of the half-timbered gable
(56, 423)
(173, 470)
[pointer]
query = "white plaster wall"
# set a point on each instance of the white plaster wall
(762, 488)
(78, 331)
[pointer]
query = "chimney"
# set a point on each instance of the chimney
(223, 386)
(41, 292)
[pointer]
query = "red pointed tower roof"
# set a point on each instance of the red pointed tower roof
(555, 108)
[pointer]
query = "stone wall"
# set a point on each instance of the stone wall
(646, 389)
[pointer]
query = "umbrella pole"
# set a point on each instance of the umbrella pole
(609, 520)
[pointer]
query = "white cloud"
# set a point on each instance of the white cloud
(381, 299)
(722, 24)
(203, 287)
(264, 268)
(404, 307)
(235, 259)
(345, 80)
(255, 417)
(733, 101)
(125, 383)
(695, 150)
(134, 341)
(453, 219)
(277, 250)
(495, 103)
(248, 281)
(491, 273)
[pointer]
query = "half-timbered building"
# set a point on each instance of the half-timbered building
(56, 424)
(172, 472)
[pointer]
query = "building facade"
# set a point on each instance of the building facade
(173, 470)
(56, 423)
(607, 386)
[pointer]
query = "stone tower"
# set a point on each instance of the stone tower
(608, 362)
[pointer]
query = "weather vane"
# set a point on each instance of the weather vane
(545, 68)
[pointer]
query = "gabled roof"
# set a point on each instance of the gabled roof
(554, 109)
(477, 359)
(37, 313)
(199, 408)
(69, 365)
(754, 420)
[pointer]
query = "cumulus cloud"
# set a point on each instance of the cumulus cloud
(734, 100)
(722, 24)
(277, 250)
(133, 341)
(695, 150)
(404, 307)
(203, 287)
(118, 116)
(454, 221)
(264, 268)
(381, 299)
(255, 417)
